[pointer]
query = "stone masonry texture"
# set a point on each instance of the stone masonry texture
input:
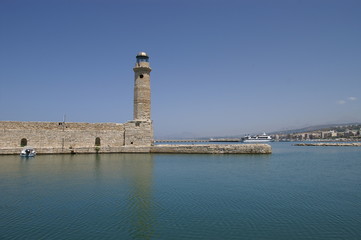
(67, 137)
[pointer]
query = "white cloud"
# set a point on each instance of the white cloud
(349, 99)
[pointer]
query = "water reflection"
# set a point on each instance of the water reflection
(294, 193)
(140, 199)
(106, 189)
(139, 205)
(138, 169)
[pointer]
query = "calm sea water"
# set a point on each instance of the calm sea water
(294, 193)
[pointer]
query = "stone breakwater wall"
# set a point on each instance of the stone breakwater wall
(330, 144)
(79, 150)
(60, 137)
(168, 149)
(131, 137)
(214, 149)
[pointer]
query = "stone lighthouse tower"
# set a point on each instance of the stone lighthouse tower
(139, 131)
(142, 88)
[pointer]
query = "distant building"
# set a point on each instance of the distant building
(328, 134)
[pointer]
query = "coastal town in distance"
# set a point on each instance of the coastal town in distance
(332, 132)
(339, 132)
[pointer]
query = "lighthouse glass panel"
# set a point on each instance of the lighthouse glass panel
(139, 60)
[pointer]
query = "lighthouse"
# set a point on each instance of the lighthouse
(142, 88)
(139, 131)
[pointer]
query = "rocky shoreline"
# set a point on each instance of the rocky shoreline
(333, 144)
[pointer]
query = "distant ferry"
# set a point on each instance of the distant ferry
(258, 138)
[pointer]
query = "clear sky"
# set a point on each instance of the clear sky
(220, 67)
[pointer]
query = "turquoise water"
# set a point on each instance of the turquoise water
(294, 193)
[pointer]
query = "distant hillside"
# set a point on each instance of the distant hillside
(315, 128)
(324, 127)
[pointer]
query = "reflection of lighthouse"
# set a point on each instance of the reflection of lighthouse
(141, 200)
(142, 88)
(129, 192)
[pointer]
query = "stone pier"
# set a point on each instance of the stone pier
(170, 149)
(331, 144)
(214, 149)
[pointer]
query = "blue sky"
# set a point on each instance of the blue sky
(220, 67)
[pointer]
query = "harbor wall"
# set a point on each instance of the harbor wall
(157, 149)
(131, 137)
(214, 149)
(60, 137)
(331, 144)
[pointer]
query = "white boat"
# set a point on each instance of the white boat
(28, 152)
(258, 138)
